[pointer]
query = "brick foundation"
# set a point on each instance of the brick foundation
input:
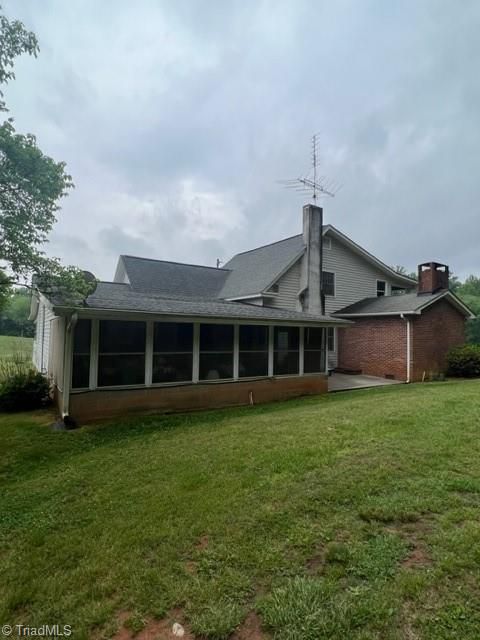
(95, 405)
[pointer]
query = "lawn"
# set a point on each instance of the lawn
(349, 516)
(15, 347)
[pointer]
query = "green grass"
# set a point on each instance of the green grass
(15, 347)
(354, 515)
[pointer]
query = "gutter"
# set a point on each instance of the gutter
(409, 341)
(67, 364)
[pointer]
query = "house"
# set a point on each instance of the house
(268, 325)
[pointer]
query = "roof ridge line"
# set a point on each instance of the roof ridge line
(269, 244)
(183, 264)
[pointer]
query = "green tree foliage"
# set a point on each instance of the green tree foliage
(31, 184)
(14, 316)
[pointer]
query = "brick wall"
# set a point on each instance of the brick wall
(434, 333)
(94, 405)
(376, 346)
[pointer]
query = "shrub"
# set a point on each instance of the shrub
(24, 390)
(464, 361)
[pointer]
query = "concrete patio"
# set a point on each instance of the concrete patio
(345, 382)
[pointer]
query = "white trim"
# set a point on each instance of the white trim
(115, 314)
(385, 293)
(378, 313)
(329, 295)
(149, 353)
(250, 297)
(301, 348)
(271, 330)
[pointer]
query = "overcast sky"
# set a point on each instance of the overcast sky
(176, 119)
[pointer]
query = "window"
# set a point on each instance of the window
(381, 288)
(172, 352)
(121, 353)
(313, 361)
(331, 338)
(327, 243)
(328, 283)
(397, 291)
(253, 351)
(81, 354)
(286, 347)
(216, 351)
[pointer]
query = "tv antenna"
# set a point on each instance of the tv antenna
(312, 183)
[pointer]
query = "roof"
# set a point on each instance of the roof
(173, 278)
(251, 272)
(408, 304)
(119, 297)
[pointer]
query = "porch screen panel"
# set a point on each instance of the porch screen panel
(286, 351)
(81, 354)
(172, 352)
(121, 353)
(253, 351)
(216, 352)
(313, 351)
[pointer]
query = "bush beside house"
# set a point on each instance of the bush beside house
(22, 388)
(464, 361)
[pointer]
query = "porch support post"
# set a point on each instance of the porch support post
(236, 333)
(149, 354)
(67, 366)
(270, 350)
(196, 353)
(301, 358)
(93, 375)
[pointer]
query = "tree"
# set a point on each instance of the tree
(14, 317)
(31, 184)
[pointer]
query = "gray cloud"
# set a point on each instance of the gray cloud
(177, 119)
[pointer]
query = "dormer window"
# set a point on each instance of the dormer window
(328, 283)
(381, 288)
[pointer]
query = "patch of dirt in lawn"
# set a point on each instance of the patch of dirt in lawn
(414, 533)
(407, 623)
(202, 543)
(154, 629)
(250, 629)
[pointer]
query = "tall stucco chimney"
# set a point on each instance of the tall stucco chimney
(432, 277)
(311, 273)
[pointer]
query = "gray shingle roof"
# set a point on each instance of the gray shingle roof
(253, 271)
(120, 297)
(407, 303)
(173, 278)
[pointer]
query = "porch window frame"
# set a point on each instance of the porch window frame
(149, 346)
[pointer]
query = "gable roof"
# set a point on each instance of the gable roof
(119, 297)
(251, 272)
(173, 278)
(407, 304)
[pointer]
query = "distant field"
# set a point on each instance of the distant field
(12, 347)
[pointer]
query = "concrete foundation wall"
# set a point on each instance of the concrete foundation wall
(95, 405)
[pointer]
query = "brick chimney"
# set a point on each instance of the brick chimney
(432, 277)
(310, 278)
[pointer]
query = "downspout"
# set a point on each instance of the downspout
(409, 340)
(67, 364)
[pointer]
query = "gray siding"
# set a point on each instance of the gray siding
(288, 288)
(355, 278)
